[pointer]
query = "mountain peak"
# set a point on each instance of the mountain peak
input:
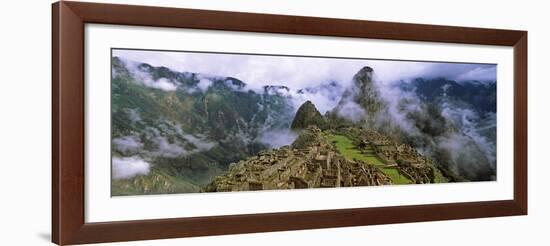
(360, 98)
(363, 77)
(366, 69)
(279, 90)
(308, 115)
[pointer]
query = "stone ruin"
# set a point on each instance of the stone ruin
(403, 157)
(317, 165)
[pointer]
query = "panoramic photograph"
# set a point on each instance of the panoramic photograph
(195, 122)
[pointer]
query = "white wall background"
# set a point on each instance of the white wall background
(25, 136)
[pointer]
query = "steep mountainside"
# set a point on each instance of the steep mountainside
(178, 132)
(360, 102)
(429, 125)
(186, 126)
(480, 96)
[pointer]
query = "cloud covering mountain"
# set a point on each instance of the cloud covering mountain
(192, 114)
(302, 72)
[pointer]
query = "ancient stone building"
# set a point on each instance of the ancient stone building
(403, 157)
(316, 165)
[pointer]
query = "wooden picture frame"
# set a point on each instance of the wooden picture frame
(68, 122)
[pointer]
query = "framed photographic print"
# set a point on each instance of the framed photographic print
(175, 122)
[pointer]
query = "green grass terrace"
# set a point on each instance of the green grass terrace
(346, 147)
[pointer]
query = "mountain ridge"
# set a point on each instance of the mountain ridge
(193, 126)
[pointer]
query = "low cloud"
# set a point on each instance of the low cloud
(178, 145)
(127, 144)
(144, 78)
(128, 167)
(133, 115)
(324, 96)
(278, 138)
(471, 124)
(162, 83)
(351, 111)
(391, 72)
(480, 73)
(200, 142)
(453, 131)
(204, 84)
(302, 72)
(168, 149)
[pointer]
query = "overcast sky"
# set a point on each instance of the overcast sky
(301, 72)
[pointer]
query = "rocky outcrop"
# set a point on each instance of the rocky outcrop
(363, 92)
(308, 115)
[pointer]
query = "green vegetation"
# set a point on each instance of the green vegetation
(346, 147)
(157, 182)
(308, 115)
(439, 177)
(193, 129)
(395, 176)
(188, 134)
